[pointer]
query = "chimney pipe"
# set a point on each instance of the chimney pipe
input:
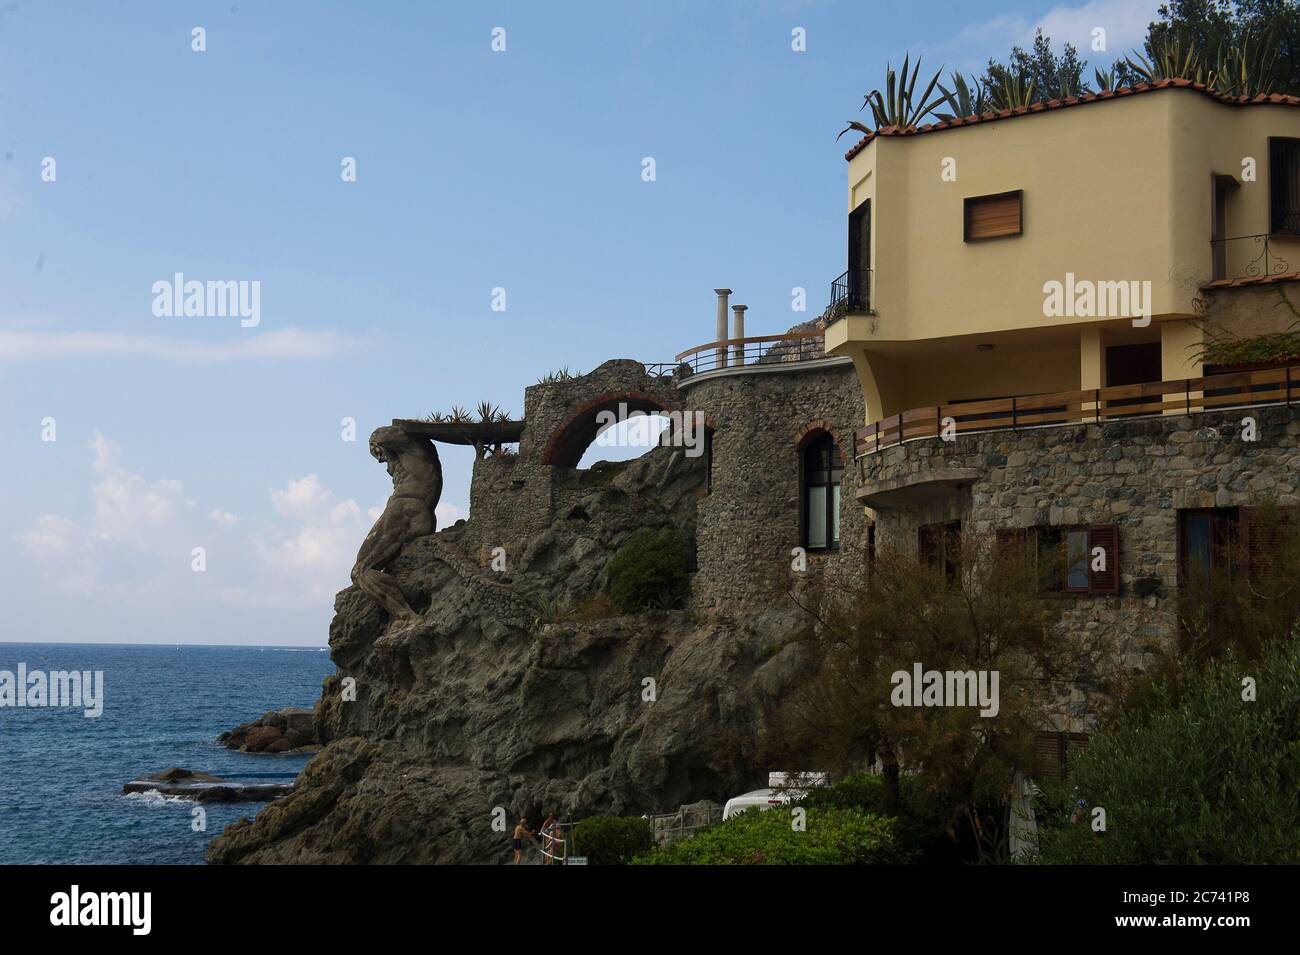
(720, 353)
(738, 331)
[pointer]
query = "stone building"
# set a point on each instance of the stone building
(772, 417)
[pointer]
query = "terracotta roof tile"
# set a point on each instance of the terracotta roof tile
(1254, 280)
(1176, 83)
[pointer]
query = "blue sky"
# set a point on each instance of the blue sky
(475, 170)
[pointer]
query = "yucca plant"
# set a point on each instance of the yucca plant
(459, 415)
(899, 105)
(487, 411)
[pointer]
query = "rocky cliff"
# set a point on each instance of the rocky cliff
(496, 701)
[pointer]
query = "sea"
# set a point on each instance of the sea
(61, 774)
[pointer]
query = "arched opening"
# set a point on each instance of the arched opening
(626, 439)
(821, 470)
(625, 415)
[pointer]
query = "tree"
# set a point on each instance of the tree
(1039, 71)
(983, 612)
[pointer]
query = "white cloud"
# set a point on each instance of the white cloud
(286, 344)
(134, 547)
(1125, 23)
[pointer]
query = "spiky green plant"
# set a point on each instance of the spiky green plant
(1245, 68)
(1106, 80)
(898, 104)
(487, 411)
(1014, 91)
(962, 100)
(1169, 60)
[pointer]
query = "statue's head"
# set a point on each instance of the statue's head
(387, 440)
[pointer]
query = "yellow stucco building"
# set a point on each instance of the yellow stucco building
(1070, 245)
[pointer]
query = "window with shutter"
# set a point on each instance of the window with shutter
(1052, 753)
(993, 217)
(1065, 556)
(1284, 186)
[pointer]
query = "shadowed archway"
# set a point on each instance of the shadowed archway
(580, 429)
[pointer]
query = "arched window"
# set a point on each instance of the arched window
(823, 466)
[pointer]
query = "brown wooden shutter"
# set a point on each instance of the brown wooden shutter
(1105, 536)
(1264, 536)
(991, 217)
(1049, 760)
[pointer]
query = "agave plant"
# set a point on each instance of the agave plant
(487, 411)
(1107, 80)
(1014, 90)
(436, 417)
(459, 415)
(1168, 61)
(899, 105)
(962, 100)
(1244, 68)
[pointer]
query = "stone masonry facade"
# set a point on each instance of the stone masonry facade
(758, 419)
(1136, 474)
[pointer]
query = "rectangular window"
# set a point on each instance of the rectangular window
(817, 516)
(993, 217)
(1052, 753)
(1081, 560)
(939, 546)
(1284, 186)
(1207, 548)
(1076, 561)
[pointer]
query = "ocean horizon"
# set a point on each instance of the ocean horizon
(61, 772)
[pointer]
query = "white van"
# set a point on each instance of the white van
(784, 788)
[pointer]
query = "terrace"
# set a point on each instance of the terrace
(1279, 385)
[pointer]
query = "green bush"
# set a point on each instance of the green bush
(649, 571)
(832, 837)
(611, 840)
(918, 828)
(1197, 775)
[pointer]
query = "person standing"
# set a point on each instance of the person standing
(521, 833)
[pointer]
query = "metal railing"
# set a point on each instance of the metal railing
(1247, 256)
(1270, 386)
(760, 350)
(851, 292)
(554, 844)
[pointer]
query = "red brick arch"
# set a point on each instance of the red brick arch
(812, 429)
(567, 444)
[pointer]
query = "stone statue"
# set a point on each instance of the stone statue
(417, 484)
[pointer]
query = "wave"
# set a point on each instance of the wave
(152, 797)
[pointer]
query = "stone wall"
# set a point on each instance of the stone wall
(749, 522)
(1135, 474)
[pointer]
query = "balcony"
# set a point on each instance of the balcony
(749, 352)
(1270, 386)
(1249, 257)
(850, 293)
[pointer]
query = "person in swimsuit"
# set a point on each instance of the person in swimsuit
(521, 833)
